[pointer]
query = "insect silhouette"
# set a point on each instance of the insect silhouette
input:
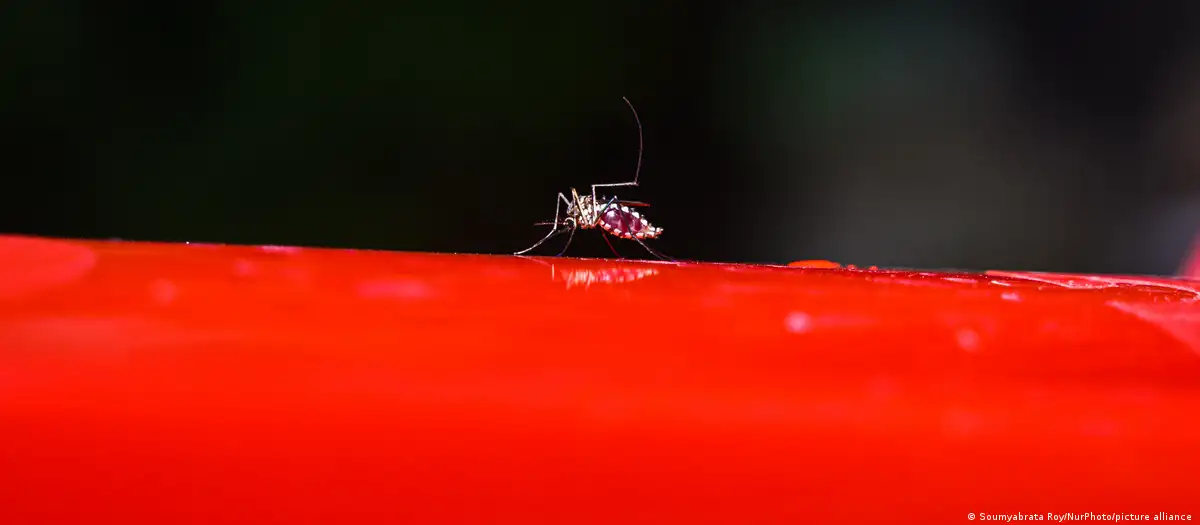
(613, 216)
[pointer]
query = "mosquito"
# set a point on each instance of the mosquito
(613, 216)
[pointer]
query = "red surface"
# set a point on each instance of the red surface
(151, 383)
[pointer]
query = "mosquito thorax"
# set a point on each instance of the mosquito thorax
(585, 210)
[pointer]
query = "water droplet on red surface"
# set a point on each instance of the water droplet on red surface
(798, 322)
(967, 339)
(286, 250)
(814, 264)
(163, 291)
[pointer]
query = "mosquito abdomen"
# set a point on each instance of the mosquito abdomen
(625, 222)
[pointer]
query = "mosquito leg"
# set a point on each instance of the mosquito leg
(552, 233)
(652, 251)
(531, 259)
(568, 245)
(612, 201)
(612, 185)
(604, 235)
(558, 206)
(637, 171)
(555, 229)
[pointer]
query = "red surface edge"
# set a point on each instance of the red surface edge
(173, 383)
(1191, 266)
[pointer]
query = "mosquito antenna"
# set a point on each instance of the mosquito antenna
(638, 170)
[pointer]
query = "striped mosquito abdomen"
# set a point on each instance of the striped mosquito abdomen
(625, 222)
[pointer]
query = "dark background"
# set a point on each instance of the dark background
(1008, 134)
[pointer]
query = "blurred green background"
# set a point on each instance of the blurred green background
(1018, 135)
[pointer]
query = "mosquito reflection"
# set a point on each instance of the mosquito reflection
(575, 277)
